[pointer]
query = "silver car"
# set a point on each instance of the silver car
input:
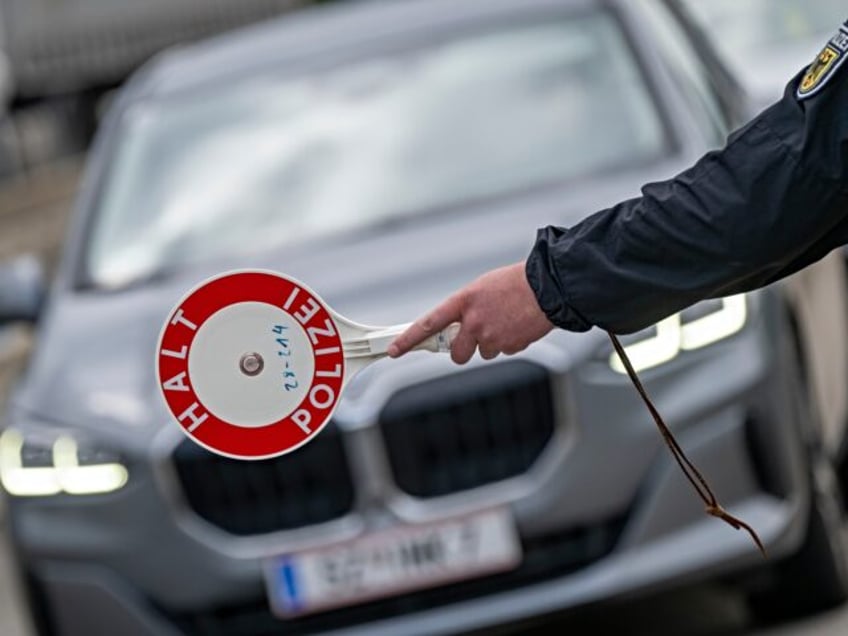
(384, 154)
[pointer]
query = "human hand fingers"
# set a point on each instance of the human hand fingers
(463, 346)
(488, 353)
(448, 312)
(498, 311)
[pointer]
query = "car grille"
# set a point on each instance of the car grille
(469, 429)
(311, 485)
(545, 558)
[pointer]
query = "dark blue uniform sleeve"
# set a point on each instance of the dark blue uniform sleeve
(772, 201)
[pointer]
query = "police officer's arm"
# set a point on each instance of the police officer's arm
(771, 202)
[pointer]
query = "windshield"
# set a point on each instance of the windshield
(747, 29)
(270, 160)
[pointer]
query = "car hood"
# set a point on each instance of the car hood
(94, 361)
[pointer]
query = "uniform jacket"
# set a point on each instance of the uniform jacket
(772, 201)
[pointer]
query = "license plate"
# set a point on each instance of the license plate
(392, 562)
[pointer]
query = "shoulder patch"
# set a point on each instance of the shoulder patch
(831, 57)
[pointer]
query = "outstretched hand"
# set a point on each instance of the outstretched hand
(498, 313)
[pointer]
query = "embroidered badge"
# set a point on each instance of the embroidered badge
(825, 65)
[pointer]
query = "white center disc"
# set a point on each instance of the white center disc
(217, 375)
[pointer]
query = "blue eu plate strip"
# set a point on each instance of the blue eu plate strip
(287, 583)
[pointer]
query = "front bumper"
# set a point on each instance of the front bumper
(139, 562)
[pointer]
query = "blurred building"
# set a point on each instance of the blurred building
(59, 60)
(62, 56)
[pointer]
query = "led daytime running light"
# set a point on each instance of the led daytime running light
(673, 337)
(66, 474)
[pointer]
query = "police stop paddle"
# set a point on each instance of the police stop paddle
(252, 363)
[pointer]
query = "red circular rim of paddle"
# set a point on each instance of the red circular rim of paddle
(228, 438)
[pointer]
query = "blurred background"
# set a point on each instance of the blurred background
(60, 63)
(680, 77)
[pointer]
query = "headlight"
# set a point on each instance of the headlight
(702, 325)
(32, 470)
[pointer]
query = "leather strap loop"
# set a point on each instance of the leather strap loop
(713, 507)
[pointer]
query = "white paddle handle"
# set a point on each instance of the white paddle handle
(376, 343)
(440, 342)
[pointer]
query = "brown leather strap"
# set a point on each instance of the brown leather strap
(692, 474)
